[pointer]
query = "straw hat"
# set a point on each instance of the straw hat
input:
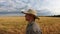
(31, 11)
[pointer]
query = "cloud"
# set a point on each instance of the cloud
(52, 5)
(11, 5)
(19, 4)
(15, 5)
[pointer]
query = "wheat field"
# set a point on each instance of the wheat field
(17, 25)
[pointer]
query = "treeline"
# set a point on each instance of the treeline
(54, 16)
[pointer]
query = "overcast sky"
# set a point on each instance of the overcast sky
(11, 5)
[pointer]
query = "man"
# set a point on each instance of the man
(32, 27)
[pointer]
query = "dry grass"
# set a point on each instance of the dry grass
(17, 25)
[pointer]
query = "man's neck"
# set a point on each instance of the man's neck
(31, 21)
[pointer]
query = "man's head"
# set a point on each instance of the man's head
(30, 15)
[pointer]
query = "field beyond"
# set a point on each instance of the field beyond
(17, 25)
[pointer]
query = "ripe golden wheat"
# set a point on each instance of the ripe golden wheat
(17, 25)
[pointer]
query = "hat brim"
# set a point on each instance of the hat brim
(36, 17)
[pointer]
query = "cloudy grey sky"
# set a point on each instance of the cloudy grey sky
(17, 5)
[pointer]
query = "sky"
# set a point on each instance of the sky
(17, 5)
